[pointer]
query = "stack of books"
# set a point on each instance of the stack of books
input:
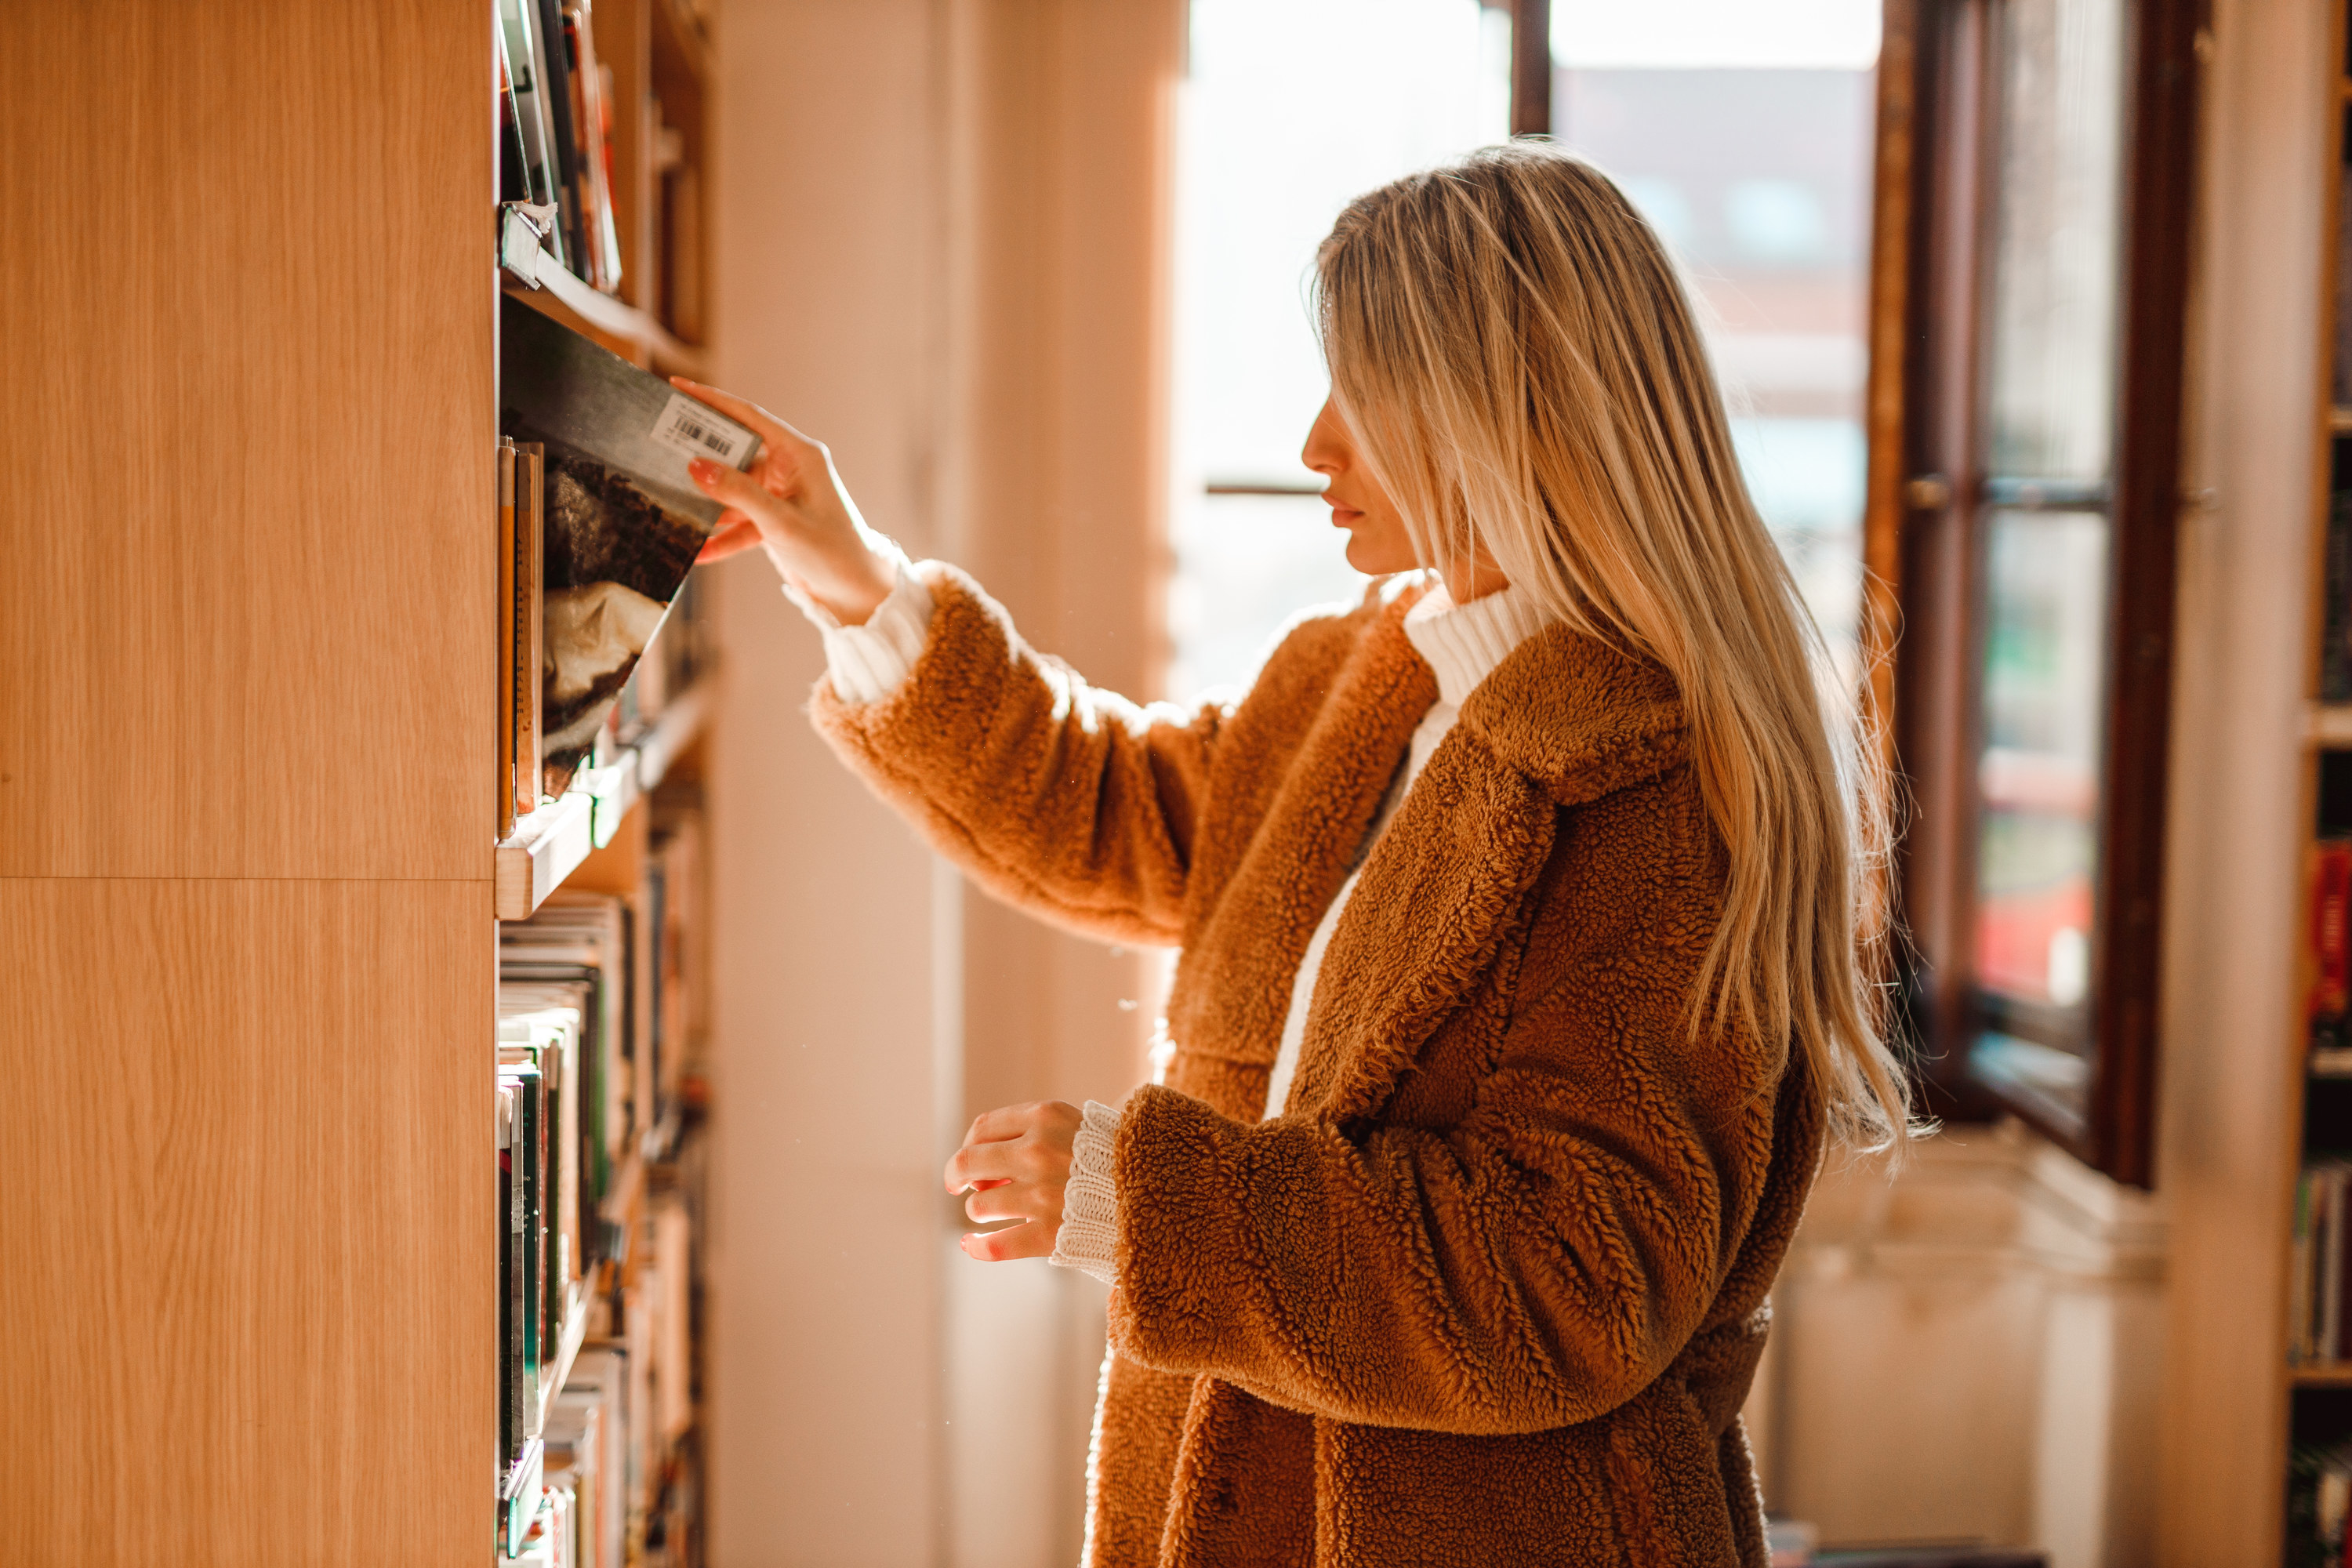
(598, 1101)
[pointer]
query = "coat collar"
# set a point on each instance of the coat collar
(1562, 721)
(1570, 712)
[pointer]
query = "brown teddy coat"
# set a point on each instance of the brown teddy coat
(1491, 1289)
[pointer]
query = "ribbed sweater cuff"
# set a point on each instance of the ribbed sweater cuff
(870, 662)
(1088, 1239)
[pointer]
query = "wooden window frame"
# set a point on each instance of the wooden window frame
(1925, 526)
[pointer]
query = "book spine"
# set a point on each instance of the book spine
(2335, 640)
(2298, 1327)
(2331, 936)
(509, 1406)
(2330, 1260)
(518, 1382)
(528, 1142)
(530, 615)
(2339, 1345)
(572, 1243)
(556, 73)
(506, 784)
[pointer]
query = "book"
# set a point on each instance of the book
(546, 18)
(511, 1386)
(527, 628)
(2335, 634)
(506, 690)
(592, 129)
(622, 522)
(519, 46)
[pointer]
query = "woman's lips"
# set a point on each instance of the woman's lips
(1345, 516)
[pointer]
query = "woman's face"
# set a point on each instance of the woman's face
(1378, 544)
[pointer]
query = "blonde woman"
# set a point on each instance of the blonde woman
(1520, 910)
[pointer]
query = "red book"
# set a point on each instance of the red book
(2331, 901)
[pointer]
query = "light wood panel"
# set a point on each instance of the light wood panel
(248, 1297)
(246, 616)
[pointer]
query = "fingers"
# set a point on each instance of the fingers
(731, 538)
(1033, 1239)
(770, 428)
(1014, 1200)
(1011, 1160)
(739, 491)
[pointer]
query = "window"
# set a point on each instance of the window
(2039, 274)
(1745, 137)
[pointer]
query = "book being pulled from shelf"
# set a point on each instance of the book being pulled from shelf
(621, 521)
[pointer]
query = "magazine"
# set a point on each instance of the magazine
(623, 520)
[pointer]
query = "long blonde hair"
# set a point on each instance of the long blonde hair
(1515, 352)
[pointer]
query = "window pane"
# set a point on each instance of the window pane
(2044, 686)
(2054, 289)
(1749, 151)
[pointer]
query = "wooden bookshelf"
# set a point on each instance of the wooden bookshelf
(247, 857)
(2317, 1413)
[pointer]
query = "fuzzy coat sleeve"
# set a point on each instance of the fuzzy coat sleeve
(1534, 1264)
(1068, 801)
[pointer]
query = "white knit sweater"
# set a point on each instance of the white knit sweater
(1463, 644)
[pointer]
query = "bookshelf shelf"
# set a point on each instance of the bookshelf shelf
(624, 328)
(550, 844)
(2331, 1374)
(2328, 724)
(545, 848)
(575, 1334)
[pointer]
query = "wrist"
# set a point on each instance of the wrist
(850, 593)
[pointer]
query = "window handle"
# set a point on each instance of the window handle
(1928, 493)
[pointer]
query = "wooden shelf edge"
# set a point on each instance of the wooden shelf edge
(605, 313)
(2331, 1374)
(2327, 723)
(549, 845)
(575, 1333)
(545, 848)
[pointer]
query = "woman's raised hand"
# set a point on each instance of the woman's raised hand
(1015, 1163)
(791, 502)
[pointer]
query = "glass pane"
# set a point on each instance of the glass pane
(2053, 287)
(2044, 689)
(1748, 144)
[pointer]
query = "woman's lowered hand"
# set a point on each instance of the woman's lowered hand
(791, 502)
(1015, 1164)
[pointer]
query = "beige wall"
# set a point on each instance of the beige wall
(940, 248)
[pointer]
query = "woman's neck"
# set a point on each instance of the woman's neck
(1468, 580)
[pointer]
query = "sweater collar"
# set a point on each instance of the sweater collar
(1463, 643)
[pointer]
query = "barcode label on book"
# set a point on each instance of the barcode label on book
(690, 428)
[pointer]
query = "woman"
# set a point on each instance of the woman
(1520, 910)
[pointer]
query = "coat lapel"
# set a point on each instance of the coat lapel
(1563, 720)
(1232, 983)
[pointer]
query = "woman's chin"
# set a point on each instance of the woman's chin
(1374, 561)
